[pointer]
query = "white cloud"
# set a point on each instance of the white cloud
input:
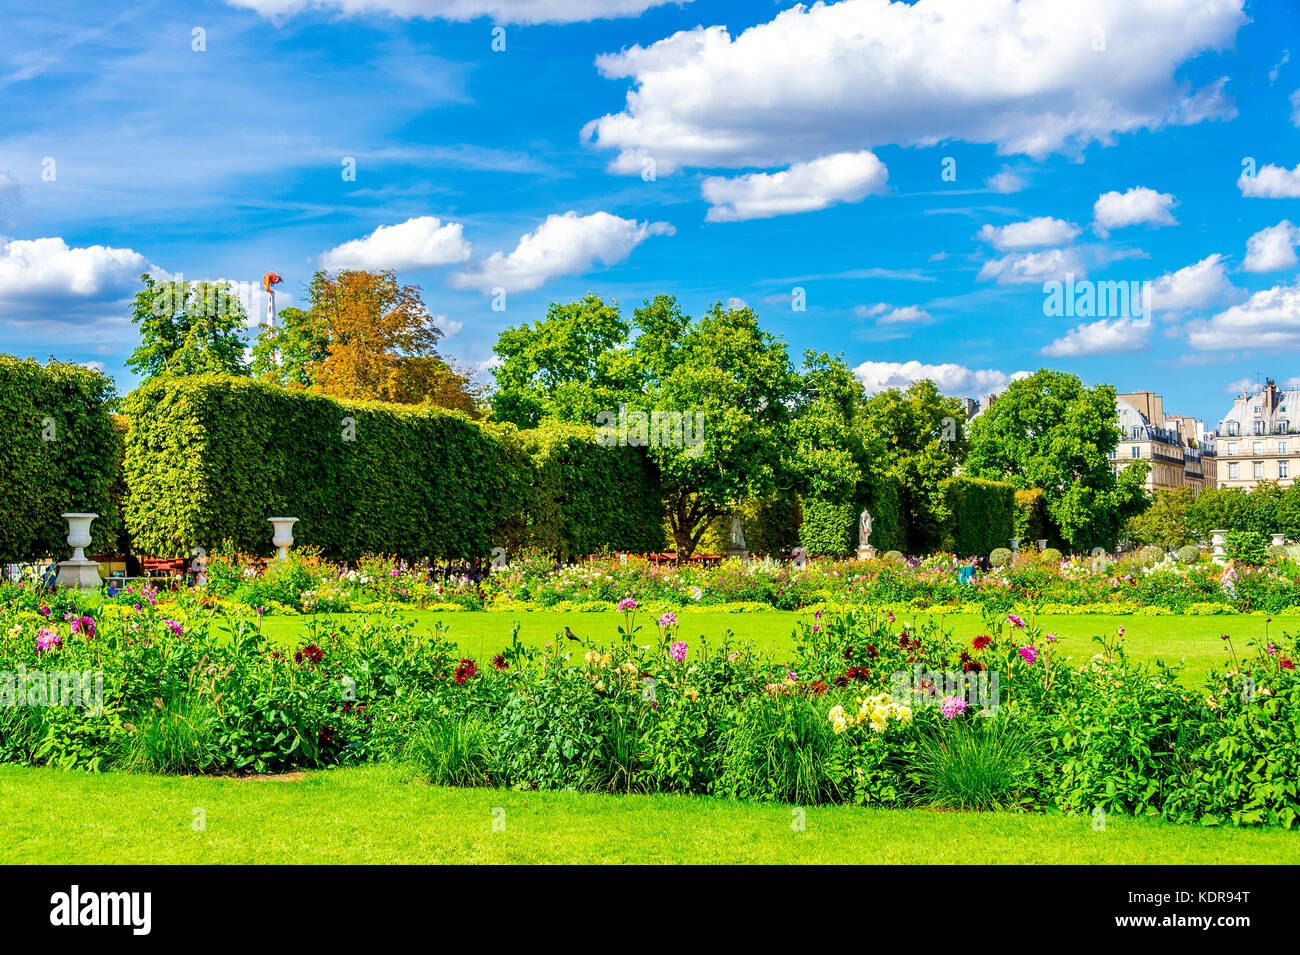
(844, 177)
(501, 11)
(1029, 234)
(1005, 182)
(38, 272)
(422, 242)
(1115, 210)
(1271, 182)
(449, 327)
(951, 379)
(1025, 267)
(1268, 319)
(1271, 249)
(1198, 285)
(889, 315)
(562, 245)
(839, 77)
(1105, 337)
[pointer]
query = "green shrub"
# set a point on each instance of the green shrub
(1050, 556)
(175, 740)
(452, 751)
(783, 748)
(895, 555)
(59, 452)
(1031, 521)
(1246, 547)
(1000, 556)
(1151, 555)
(1187, 554)
(977, 514)
(975, 764)
(827, 529)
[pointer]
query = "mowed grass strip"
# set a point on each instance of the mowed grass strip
(1195, 640)
(379, 815)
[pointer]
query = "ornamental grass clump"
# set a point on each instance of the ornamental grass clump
(452, 751)
(974, 763)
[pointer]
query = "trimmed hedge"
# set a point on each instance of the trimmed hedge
(979, 515)
(48, 467)
(209, 458)
(830, 529)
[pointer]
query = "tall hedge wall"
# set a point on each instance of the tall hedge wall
(59, 452)
(210, 458)
(830, 528)
(979, 515)
(586, 497)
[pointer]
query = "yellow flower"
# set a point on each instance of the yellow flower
(600, 684)
(591, 656)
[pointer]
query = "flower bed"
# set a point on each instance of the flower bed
(866, 711)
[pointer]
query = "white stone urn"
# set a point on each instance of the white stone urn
(76, 571)
(1216, 539)
(1042, 543)
(283, 536)
(1279, 540)
(1015, 545)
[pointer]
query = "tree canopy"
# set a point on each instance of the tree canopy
(187, 328)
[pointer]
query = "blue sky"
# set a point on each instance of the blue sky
(708, 149)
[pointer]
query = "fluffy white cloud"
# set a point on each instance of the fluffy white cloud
(838, 77)
(1198, 285)
(1030, 234)
(422, 242)
(1271, 182)
(562, 245)
(1115, 210)
(1268, 319)
(844, 177)
(951, 379)
(45, 271)
(1023, 267)
(501, 11)
(889, 315)
(1273, 248)
(1105, 337)
(1005, 182)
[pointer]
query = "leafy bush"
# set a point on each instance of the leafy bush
(1151, 555)
(1000, 557)
(978, 514)
(1246, 547)
(1050, 556)
(452, 751)
(1187, 554)
(980, 764)
(59, 452)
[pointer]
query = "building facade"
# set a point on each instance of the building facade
(1177, 448)
(1259, 439)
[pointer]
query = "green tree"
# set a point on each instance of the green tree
(1165, 524)
(712, 398)
(187, 328)
(922, 434)
(1051, 432)
(285, 355)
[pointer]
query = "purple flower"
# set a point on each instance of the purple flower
(626, 604)
(792, 676)
(669, 619)
(1020, 624)
(45, 611)
(46, 638)
(817, 615)
(1051, 638)
(1029, 653)
(86, 625)
(678, 651)
(953, 706)
(1271, 649)
(174, 627)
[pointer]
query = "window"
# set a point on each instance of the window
(1282, 469)
(1112, 455)
(1232, 447)
(1232, 429)
(1281, 447)
(1259, 426)
(1136, 451)
(1232, 470)
(1259, 470)
(1257, 447)
(1281, 427)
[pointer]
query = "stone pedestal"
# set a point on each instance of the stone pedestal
(1279, 540)
(740, 553)
(866, 553)
(79, 574)
(1217, 539)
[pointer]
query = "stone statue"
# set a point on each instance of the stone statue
(737, 537)
(864, 530)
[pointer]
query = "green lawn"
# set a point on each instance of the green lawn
(374, 814)
(1196, 640)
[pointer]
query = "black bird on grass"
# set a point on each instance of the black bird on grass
(569, 633)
